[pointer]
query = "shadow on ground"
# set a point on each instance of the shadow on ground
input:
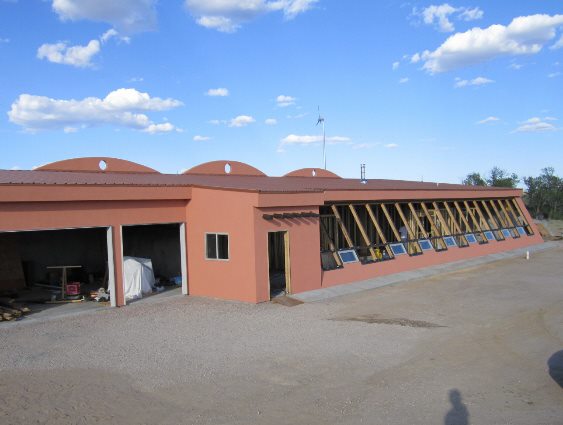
(458, 413)
(555, 364)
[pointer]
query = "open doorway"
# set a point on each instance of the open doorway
(154, 260)
(47, 272)
(278, 263)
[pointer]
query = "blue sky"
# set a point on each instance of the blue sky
(415, 90)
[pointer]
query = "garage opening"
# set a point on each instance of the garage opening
(154, 260)
(278, 259)
(55, 268)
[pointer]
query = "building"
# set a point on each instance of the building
(234, 233)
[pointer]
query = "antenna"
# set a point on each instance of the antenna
(321, 120)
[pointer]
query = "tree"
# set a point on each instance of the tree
(474, 179)
(545, 194)
(501, 178)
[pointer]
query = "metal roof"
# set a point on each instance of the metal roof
(230, 182)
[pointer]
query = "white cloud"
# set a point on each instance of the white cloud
(228, 15)
(79, 56)
(121, 107)
(135, 80)
(4, 40)
(391, 145)
(404, 80)
(395, 65)
(198, 138)
(558, 44)
(221, 92)
(525, 35)
(479, 81)
(164, 127)
(536, 125)
(488, 120)
(112, 33)
(271, 121)
(471, 14)
(439, 15)
(554, 74)
(217, 122)
(284, 101)
(294, 139)
(515, 66)
(15, 168)
(241, 121)
(125, 15)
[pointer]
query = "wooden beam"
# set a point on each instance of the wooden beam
(462, 216)
(287, 264)
(454, 222)
(498, 232)
(417, 247)
(379, 231)
(439, 239)
(522, 216)
(417, 220)
(391, 224)
(342, 227)
(362, 231)
(502, 219)
(508, 219)
(475, 222)
(441, 218)
(481, 216)
(330, 243)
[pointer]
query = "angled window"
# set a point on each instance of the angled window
(506, 233)
(398, 248)
(348, 256)
(489, 235)
(470, 238)
(425, 244)
(216, 246)
(521, 231)
(450, 241)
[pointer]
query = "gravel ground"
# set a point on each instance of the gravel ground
(466, 347)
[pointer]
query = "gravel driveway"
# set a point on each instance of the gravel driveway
(467, 347)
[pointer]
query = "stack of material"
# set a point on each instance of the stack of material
(10, 310)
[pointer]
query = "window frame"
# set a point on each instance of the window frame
(216, 234)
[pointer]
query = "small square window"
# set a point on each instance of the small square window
(425, 244)
(398, 248)
(450, 241)
(506, 233)
(471, 238)
(348, 256)
(217, 246)
(489, 235)
(521, 231)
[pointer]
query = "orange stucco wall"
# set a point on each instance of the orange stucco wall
(216, 211)
(304, 243)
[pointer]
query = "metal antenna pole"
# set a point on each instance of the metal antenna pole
(324, 144)
(321, 120)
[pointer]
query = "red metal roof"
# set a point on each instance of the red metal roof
(231, 182)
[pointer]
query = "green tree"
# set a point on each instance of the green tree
(501, 178)
(474, 179)
(544, 194)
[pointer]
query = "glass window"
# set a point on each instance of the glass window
(398, 248)
(471, 238)
(506, 233)
(217, 246)
(348, 256)
(521, 231)
(489, 235)
(450, 241)
(425, 244)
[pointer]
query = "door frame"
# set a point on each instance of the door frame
(287, 260)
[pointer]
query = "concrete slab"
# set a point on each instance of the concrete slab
(352, 288)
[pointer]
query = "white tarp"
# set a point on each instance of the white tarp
(138, 277)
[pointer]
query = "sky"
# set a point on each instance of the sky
(414, 90)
